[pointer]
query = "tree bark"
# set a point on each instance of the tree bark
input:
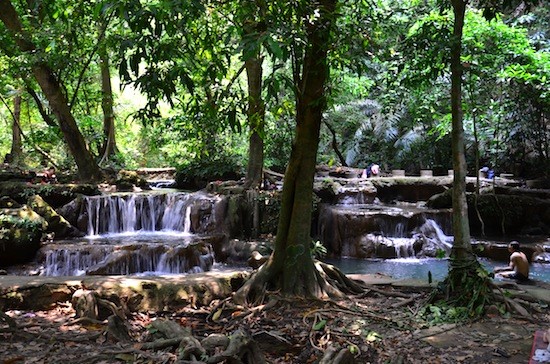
(88, 169)
(291, 268)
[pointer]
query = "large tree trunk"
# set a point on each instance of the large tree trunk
(464, 286)
(256, 121)
(109, 143)
(87, 167)
(291, 268)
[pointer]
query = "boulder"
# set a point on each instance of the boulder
(56, 195)
(72, 211)
(56, 223)
(129, 180)
(240, 251)
(21, 231)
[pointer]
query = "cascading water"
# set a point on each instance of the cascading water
(139, 212)
(384, 231)
(141, 233)
(402, 239)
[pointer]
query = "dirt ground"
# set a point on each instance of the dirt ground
(381, 325)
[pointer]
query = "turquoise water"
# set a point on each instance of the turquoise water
(407, 268)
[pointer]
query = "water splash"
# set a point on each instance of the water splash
(431, 230)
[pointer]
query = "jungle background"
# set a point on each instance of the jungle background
(214, 88)
(388, 93)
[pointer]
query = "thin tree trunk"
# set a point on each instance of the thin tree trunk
(462, 249)
(109, 143)
(16, 144)
(45, 116)
(87, 167)
(335, 145)
(26, 140)
(256, 121)
(477, 156)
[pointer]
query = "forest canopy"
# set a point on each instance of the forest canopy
(157, 84)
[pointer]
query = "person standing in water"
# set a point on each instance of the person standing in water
(518, 268)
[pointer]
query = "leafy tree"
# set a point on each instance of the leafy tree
(465, 284)
(52, 88)
(291, 267)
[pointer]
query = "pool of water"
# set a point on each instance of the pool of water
(414, 268)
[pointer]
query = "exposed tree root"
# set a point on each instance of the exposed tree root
(241, 349)
(511, 304)
(337, 355)
(339, 280)
(117, 329)
(329, 282)
(383, 292)
(467, 287)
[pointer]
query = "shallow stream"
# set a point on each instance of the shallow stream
(413, 268)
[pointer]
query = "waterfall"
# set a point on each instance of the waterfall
(432, 230)
(403, 247)
(137, 258)
(143, 233)
(384, 231)
(129, 213)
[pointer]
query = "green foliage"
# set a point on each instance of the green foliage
(184, 62)
(7, 223)
(278, 142)
(318, 250)
(196, 173)
(440, 253)
(463, 295)
(443, 313)
(320, 325)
